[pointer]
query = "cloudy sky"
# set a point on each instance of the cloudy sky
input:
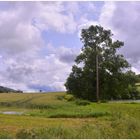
(40, 40)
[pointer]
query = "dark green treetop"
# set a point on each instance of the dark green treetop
(113, 68)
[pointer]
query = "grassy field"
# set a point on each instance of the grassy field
(57, 115)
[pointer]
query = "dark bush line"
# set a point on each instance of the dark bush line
(40, 106)
(94, 114)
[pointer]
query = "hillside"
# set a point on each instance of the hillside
(7, 90)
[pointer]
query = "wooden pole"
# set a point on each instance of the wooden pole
(97, 79)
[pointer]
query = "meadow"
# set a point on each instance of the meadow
(58, 115)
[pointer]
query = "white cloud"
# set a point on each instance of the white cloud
(123, 19)
(107, 14)
(17, 36)
(135, 70)
(22, 64)
(25, 71)
(54, 16)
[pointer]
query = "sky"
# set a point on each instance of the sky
(40, 40)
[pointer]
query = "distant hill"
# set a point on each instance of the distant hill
(7, 90)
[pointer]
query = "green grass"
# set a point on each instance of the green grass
(55, 115)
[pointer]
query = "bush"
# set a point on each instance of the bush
(40, 106)
(79, 115)
(5, 135)
(54, 133)
(69, 97)
(82, 102)
(60, 97)
(26, 133)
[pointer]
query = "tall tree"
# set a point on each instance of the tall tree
(102, 67)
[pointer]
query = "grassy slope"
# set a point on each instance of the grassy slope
(104, 120)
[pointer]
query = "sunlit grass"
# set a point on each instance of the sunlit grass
(51, 115)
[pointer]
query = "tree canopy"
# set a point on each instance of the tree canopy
(116, 80)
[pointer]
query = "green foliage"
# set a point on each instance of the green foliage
(54, 132)
(69, 97)
(82, 102)
(26, 133)
(60, 97)
(138, 78)
(138, 90)
(79, 115)
(5, 135)
(115, 81)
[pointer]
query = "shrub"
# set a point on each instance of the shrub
(60, 97)
(69, 97)
(5, 135)
(79, 115)
(82, 102)
(40, 106)
(26, 133)
(54, 133)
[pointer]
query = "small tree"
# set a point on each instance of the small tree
(98, 46)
